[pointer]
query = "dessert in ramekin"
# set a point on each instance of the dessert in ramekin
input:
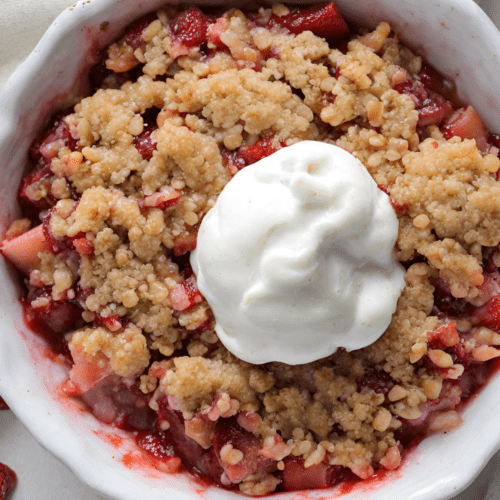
(124, 201)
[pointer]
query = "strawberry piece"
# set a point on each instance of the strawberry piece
(185, 243)
(446, 303)
(87, 372)
(247, 155)
(494, 140)
(488, 315)
(3, 405)
(52, 140)
(166, 197)
(56, 244)
(188, 29)
(58, 316)
(261, 149)
(376, 380)
(8, 481)
(159, 446)
(433, 80)
(23, 250)
(83, 246)
(185, 295)
(133, 36)
(297, 477)
(38, 181)
(323, 20)
(467, 124)
(144, 142)
(432, 107)
(434, 110)
(443, 337)
(399, 208)
(403, 87)
(112, 322)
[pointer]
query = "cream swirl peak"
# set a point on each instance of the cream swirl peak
(295, 259)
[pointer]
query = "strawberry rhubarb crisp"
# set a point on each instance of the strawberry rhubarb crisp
(119, 185)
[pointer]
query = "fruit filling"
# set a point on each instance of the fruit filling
(118, 187)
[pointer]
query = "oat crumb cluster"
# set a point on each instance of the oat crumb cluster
(155, 146)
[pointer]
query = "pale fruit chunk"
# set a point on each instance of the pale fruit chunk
(23, 250)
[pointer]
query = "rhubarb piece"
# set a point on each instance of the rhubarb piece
(228, 431)
(86, 372)
(297, 477)
(58, 316)
(83, 246)
(466, 124)
(191, 453)
(23, 250)
(8, 481)
(323, 20)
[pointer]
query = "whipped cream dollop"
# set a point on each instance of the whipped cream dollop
(296, 257)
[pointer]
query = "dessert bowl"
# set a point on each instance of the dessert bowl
(454, 36)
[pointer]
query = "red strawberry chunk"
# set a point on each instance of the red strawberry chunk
(432, 107)
(188, 29)
(488, 315)
(375, 380)
(34, 191)
(133, 36)
(8, 481)
(445, 336)
(166, 197)
(159, 446)
(112, 322)
(247, 155)
(494, 140)
(3, 405)
(144, 143)
(297, 477)
(185, 243)
(54, 139)
(259, 150)
(434, 110)
(23, 250)
(323, 20)
(185, 295)
(467, 124)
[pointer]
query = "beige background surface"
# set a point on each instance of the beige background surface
(42, 477)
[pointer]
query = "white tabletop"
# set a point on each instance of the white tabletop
(41, 476)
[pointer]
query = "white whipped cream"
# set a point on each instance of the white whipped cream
(296, 257)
